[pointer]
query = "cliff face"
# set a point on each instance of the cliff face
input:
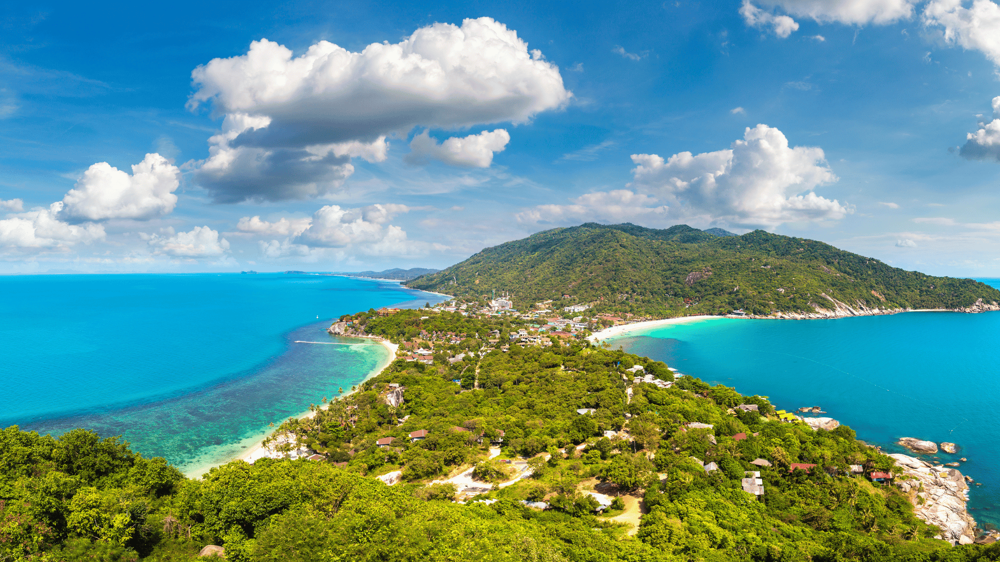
(939, 497)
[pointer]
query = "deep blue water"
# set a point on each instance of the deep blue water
(932, 375)
(190, 367)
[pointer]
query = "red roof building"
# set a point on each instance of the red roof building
(739, 436)
(385, 441)
(802, 466)
(418, 435)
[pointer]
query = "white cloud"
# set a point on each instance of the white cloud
(760, 181)
(848, 12)
(41, 228)
(442, 76)
(619, 50)
(473, 151)
(15, 205)
(738, 111)
(363, 230)
(782, 26)
(818, 38)
(984, 144)
(578, 67)
(282, 227)
(336, 227)
(907, 243)
(587, 153)
(620, 205)
(282, 249)
(105, 192)
(976, 27)
(200, 242)
(889, 204)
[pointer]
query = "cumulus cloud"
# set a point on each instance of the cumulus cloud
(907, 243)
(976, 27)
(15, 205)
(41, 228)
(848, 12)
(620, 205)
(335, 227)
(782, 26)
(239, 173)
(984, 144)
(200, 242)
(105, 192)
(292, 117)
(282, 227)
(760, 181)
(282, 249)
(364, 230)
(473, 151)
(738, 111)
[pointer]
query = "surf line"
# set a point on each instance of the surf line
(325, 342)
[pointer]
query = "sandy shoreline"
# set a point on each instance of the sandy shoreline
(649, 324)
(257, 451)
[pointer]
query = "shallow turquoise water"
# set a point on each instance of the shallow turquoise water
(189, 367)
(931, 375)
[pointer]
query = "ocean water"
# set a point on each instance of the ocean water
(929, 375)
(193, 368)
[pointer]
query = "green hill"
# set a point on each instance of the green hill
(683, 271)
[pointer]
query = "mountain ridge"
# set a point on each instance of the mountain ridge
(682, 271)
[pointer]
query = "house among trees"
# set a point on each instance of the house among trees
(801, 466)
(739, 436)
(753, 483)
(761, 462)
(748, 408)
(881, 477)
(385, 442)
(418, 435)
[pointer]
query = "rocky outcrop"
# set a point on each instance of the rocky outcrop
(918, 445)
(980, 306)
(939, 497)
(696, 276)
(394, 397)
(828, 424)
(833, 308)
(213, 550)
(949, 448)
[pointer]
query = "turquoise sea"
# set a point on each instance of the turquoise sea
(930, 375)
(193, 368)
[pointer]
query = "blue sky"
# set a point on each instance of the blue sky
(369, 135)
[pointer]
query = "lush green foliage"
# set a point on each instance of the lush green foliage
(79, 497)
(683, 271)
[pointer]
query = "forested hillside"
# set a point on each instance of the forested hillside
(538, 429)
(684, 271)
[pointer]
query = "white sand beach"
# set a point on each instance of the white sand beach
(257, 450)
(623, 329)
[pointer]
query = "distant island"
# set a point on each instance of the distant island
(683, 271)
(396, 274)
